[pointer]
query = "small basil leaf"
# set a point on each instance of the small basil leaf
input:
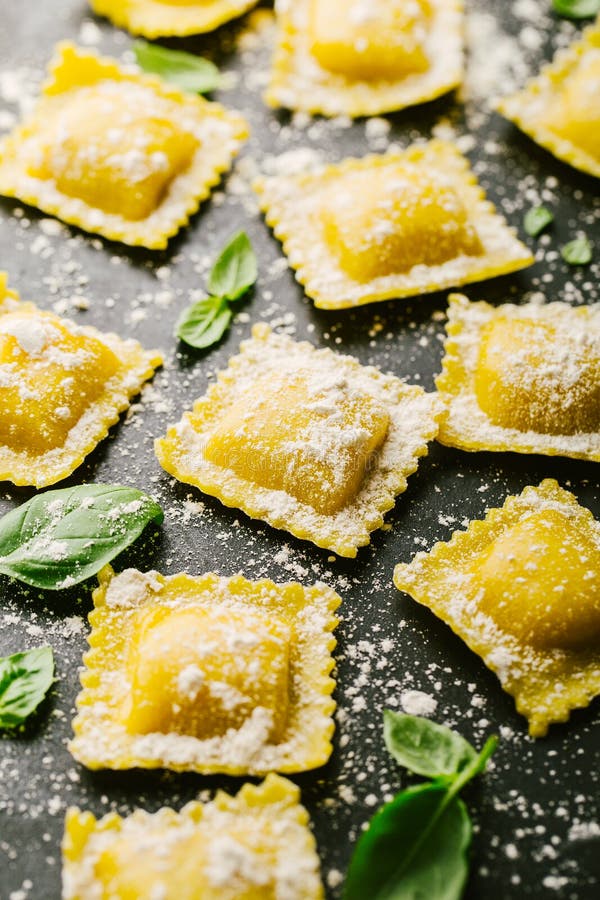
(577, 252)
(424, 747)
(235, 270)
(196, 318)
(576, 9)
(415, 847)
(204, 323)
(189, 72)
(24, 680)
(537, 219)
(62, 537)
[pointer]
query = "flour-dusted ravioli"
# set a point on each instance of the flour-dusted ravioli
(560, 108)
(177, 18)
(254, 845)
(393, 225)
(304, 439)
(522, 378)
(118, 153)
(62, 386)
(522, 589)
(207, 674)
(365, 57)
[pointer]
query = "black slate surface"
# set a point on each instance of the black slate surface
(534, 810)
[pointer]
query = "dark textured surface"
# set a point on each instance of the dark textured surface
(526, 807)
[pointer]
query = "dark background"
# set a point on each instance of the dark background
(534, 807)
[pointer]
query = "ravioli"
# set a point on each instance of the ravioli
(61, 388)
(560, 109)
(522, 378)
(170, 18)
(365, 57)
(305, 439)
(522, 589)
(118, 153)
(254, 845)
(207, 674)
(395, 225)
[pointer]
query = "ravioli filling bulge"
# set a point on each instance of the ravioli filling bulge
(309, 434)
(49, 376)
(575, 113)
(200, 672)
(540, 581)
(116, 146)
(530, 378)
(370, 40)
(394, 218)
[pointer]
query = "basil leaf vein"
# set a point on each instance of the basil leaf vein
(189, 72)
(24, 681)
(60, 538)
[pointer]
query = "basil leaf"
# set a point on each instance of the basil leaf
(415, 847)
(24, 681)
(204, 323)
(235, 270)
(189, 72)
(424, 747)
(537, 219)
(60, 538)
(576, 9)
(577, 252)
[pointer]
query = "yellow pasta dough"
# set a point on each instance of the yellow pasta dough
(365, 57)
(522, 589)
(304, 439)
(118, 153)
(207, 674)
(61, 388)
(388, 226)
(522, 378)
(252, 846)
(177, 18)
(560, 108)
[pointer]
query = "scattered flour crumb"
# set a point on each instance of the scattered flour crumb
(555, 882)
(418, 703)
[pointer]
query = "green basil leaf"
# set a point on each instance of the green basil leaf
(424, 747)
(62, 537)
(415, 847)
(577, 252)
(24, 680)
(189, 72)
(576, 9)
(537, 219)
(204, 323)
(235, 270)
